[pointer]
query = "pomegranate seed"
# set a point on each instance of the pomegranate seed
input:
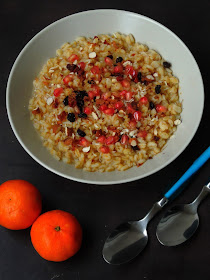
(106, 95)
(130, 109)
(124, 139)
(119, 78)
(142, 134)
(134, 75)
(99, 133)
(101, 139)
(87, 110)
(144, 100)
(118, 69)
(103, 108)
(128, 95)
(160, 108)
(95, 70)
(108, 60)
(137, 115)
(91, 94)
(67, 79)
(84, 142)
(73, 57)
(129, 70)
(97, 90)
(109, 111)
(82, 65)
(110, 140)
(119, 105)
(132, 124)
(123, 92)
(105, 149)
(57, 91)
(125, 83)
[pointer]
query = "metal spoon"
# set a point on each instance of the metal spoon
(130, 238)
(180, 222)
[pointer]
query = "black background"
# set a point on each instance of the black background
(100, 208)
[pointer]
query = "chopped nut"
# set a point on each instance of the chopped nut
(114, 80)
(94, 116)
(132, 133)
(127, 63)
(150, 77)
(96, 126)
(177, 122)
(133, 143)
(50, 100)
(92, 55)
(86, 149)
(58, 86)
(155, 132)
(155, 75)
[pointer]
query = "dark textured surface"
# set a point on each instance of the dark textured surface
(100, 208)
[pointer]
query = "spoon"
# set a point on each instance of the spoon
(181, 221)
(130, 238)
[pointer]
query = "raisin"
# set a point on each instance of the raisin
(81, 133)
(77, 69)
(166, 64)
(71, 117)
(80, 72)
(66, 101)
(91, 82)
(139, 76)
(71, 67)
(110, 56)
(158, 89)
(98, 133)
(151, 105)
(135, 148)
(156, 138)
(119, 59)
(82, 115)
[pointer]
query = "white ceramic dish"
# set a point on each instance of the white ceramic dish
(91, 23)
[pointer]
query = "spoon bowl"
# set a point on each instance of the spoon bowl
(129, 239)
(125, 242)
(178, 225)
(180, 222)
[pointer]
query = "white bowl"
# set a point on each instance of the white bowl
(91, 23)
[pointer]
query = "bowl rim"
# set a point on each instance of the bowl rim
(99, 182)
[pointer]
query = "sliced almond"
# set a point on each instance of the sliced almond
(92, 55)
(94, 116)
(86, 149)
(177, 122)
(50, 100)
(127, 63)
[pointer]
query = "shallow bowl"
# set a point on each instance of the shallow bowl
(90, 23)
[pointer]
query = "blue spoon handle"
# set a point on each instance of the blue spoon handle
(193, 168)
